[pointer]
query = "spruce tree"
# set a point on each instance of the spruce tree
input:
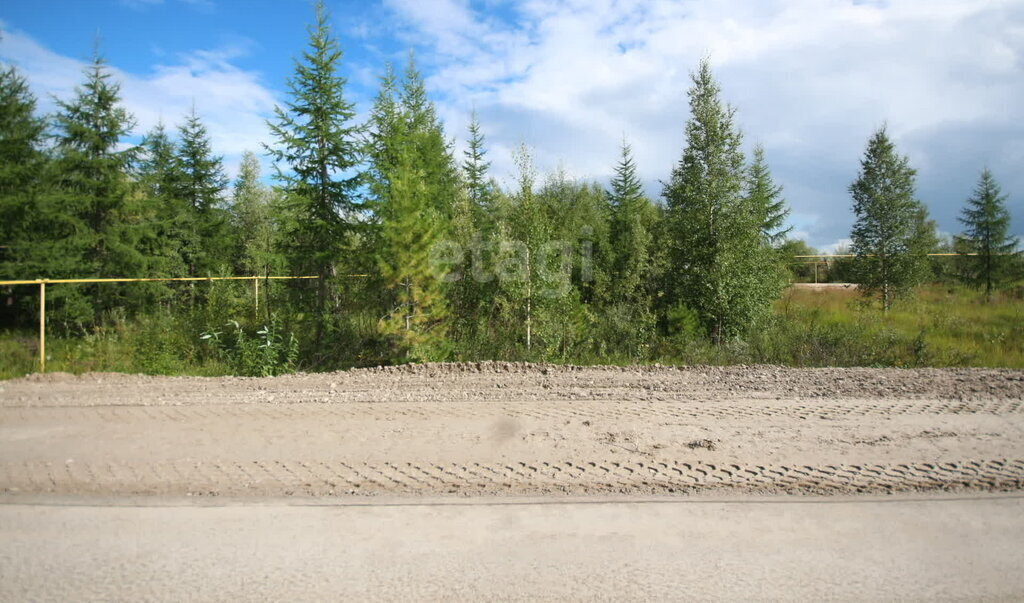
(719, 266)
(21, 162)
(318, 155)
(158, 168)
(171, 218)
(202, 172)
(95, 228)
(471, 288)
(628, 321)
(384, 133)
(987, 223)
(890, 236)
(633, 217)
(201, 183)
(766, 198)
(475, 166)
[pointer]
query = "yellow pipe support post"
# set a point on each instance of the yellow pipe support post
(42, 327)
(256, 294)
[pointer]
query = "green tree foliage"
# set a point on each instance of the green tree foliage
(159, 173)
(157, 178)
(801, 269)
(21, 161)
(474, 169)
(720, 266)
(425, 136)
(892, 234)
(160, 179)
(252, 210)
(96, 224)
(200, 183)
(987, 225)
(383, 140)
(766, 198)
(455, 266)
(632, 222)
(521, 229)
(472, 286)
(318, 154)
(548, 265)
(416, 199)
(573, 268)
(411, 229)
(202, 173)
(628, 318)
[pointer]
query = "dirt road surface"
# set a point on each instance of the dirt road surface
(809, 550)
(500, 429)
(408, 483)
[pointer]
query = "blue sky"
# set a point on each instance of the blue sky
(811, 79)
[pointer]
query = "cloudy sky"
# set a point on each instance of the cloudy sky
(811, 79)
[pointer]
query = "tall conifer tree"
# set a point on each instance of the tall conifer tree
(475, 166)
(95, 230)
(632, 221)
(890, 236)
(628, 322)
(385, 132)
(21, 163)
(202, 172)
(171, 217)
(432, 151)
(765, 197)
(411, 227)
(158, 166)
(987, 223)
(318, 155)
(201, 183)
(416, 193)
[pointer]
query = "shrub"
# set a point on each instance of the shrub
(265, 353)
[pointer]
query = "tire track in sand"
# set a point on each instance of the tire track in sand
(286, 478)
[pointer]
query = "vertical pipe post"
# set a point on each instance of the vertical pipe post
(256, 293)
(42, 326)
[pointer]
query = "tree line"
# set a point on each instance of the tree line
(420, 254)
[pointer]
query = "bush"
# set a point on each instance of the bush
(265, 353)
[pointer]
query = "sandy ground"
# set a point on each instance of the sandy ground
(408, 483)
(501, 429)
(809, 549)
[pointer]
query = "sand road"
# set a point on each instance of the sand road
(409, 483)
(498, 429)
(782, 549)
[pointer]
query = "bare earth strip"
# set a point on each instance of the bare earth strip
(502, 429)
(806, 549)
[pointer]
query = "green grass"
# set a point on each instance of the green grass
(939, 326)
(160, 344)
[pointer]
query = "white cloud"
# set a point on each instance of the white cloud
(840, 246)
(811, 80)
(232, 103)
